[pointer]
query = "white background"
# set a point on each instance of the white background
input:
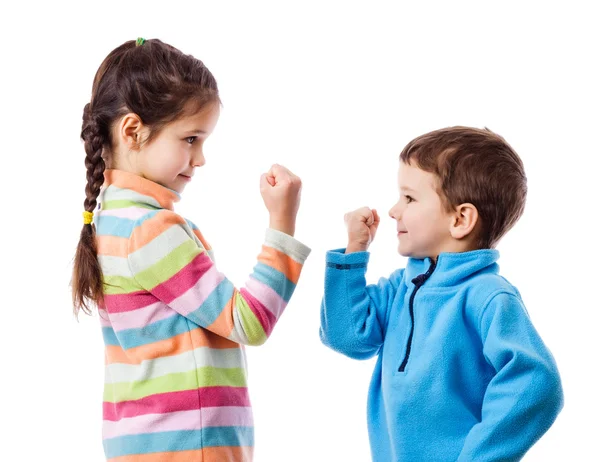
(333, 91)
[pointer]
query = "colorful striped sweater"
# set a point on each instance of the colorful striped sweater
(174, 328)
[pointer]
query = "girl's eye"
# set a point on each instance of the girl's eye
(409, 199)
(191, 139)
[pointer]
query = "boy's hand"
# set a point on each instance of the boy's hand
(280, 190)
(362, 225)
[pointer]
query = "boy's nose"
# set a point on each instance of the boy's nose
(394, 212)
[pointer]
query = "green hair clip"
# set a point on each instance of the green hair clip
(140, 41)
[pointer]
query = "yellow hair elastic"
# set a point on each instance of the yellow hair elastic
(140, 41)
(88, 217)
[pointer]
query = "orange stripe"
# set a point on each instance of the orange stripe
(153, 227)
(112, 245)
(220, 454)
(181, 343)
(281, 262)
(224, 322)
(201, 237)
(126, 180)
(228, 454)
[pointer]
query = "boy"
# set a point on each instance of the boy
(461, 373)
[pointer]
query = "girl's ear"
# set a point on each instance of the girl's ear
(464, 220)
(130, 131)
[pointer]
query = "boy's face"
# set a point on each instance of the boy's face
(423, 225)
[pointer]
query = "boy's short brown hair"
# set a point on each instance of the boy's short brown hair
(475, 166)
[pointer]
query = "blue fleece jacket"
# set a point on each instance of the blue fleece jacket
(461, 373)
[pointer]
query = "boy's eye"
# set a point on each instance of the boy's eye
(191, 139)
(409, 199)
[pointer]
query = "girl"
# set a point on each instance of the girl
(174, 326)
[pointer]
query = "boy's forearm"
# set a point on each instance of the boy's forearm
(514, 419)
(351, 312)
(524, 397)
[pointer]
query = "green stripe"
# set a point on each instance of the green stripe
(124, 203)
(169, 266)
(202, 377)
(161, 271)
(252, 326)
(118, 285)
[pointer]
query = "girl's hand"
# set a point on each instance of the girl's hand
(280, 190)
(362, 225)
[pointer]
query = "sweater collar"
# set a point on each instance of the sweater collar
(451, 268)
(120, 185)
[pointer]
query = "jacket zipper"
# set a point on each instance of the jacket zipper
(418, 282)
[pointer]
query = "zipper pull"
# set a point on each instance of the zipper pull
(421, 278)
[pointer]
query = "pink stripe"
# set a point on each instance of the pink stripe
(182, 420)
(184, 280)
(152, 423)
(267, 296)
(187, 400)
(128, 302)
(227, 416)
(103, 315)
(141, 317)
(197, 295)
(264, 316)
(133, 213)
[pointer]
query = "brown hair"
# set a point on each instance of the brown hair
(475, 166)
(158, 83)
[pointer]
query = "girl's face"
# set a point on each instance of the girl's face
(422, 223)
(171, 158)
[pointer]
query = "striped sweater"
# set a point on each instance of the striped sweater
(174, 328)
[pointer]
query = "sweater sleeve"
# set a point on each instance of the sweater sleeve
(353, 314)
(168, 259)
(524, 396)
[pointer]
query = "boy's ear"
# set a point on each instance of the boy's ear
(464, 220)
(131, 130)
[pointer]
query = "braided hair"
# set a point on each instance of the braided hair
(158, 83)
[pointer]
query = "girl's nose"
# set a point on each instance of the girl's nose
(198, 160)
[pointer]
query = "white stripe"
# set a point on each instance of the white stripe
(114, 266)
(184, 362)
(155, 250)
(114, 193)
(211, 254)
(238, 334)
(287, 244)
(132, 213)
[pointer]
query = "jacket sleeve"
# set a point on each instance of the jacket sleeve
(168, 259)
(353, 314)
(525, 395)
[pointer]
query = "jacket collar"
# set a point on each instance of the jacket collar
(451, 269)
(121, 187)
